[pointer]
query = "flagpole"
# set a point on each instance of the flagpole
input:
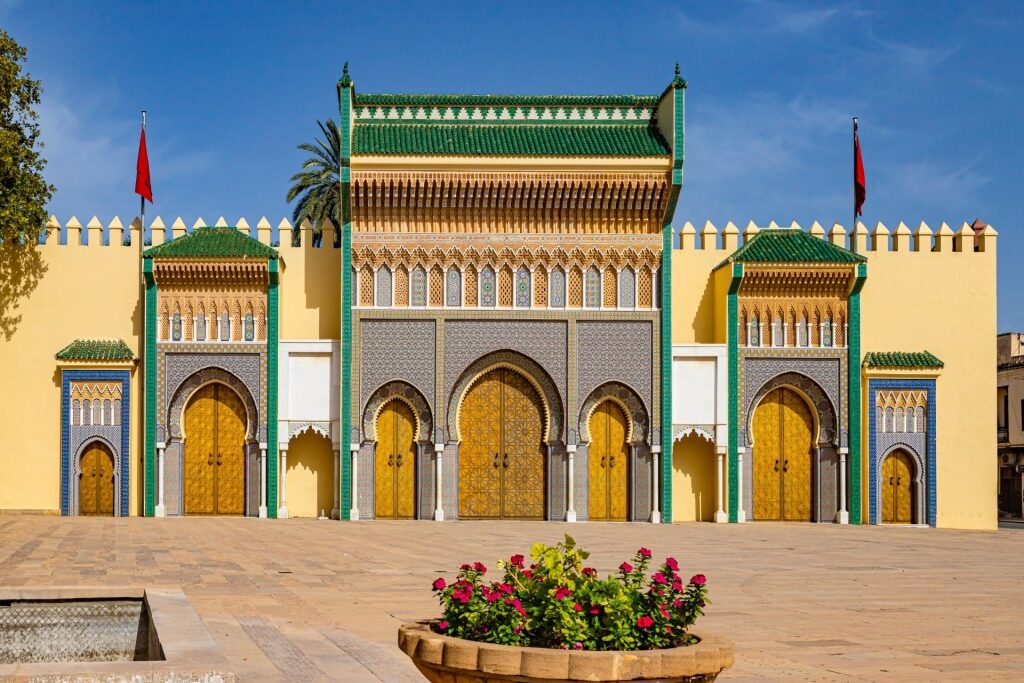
(853, 226)
(142, 200)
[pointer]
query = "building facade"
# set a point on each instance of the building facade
(508, 328)
(1010, 424)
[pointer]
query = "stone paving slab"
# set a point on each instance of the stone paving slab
(313, 600)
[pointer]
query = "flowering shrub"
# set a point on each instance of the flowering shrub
(559, 602)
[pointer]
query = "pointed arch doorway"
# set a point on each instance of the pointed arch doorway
(782, 473)
(395, 462)
(214, 434)
(608, 458)
(898, 488)
(96, 482)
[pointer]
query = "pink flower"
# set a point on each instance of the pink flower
(677, 585)
(506, 588)
(659, 578)
(479, 566)
(492, 596)
(517, 561)
(578, 646)
(668, 630)
(518, 629)
(626, 568)
(643, 552)
(698, 580)
(486, 629)
(644, 622)
(465, 567)
(589, 571)
(595, 609)
(439, 584)
(562, 592)
(578, 607)
(677, 603)
(517, 605)
(442, 625)
(672, 564)
(664, 612)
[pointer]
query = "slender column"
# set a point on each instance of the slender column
(741, 515)
(842, 516)
(438, 488)
(721, 516)
(570, 498)
(263, 481)
(353, 513)
(335, 511)
(282, 479)
(160, 510)
(656, 470)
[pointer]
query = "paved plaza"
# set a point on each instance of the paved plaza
(305, 600)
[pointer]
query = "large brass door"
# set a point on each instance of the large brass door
(395, 463)
(96, 483)
(608, 465)
(215, 452)
(897, 502)
(782, 457)
(501, 457)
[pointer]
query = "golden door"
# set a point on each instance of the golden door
(608, 466)
(96, 485)
(897, 502)
(782, 457)
(395, 463)
(501, 457)
(214, 452)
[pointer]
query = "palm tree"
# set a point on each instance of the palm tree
(318, 185)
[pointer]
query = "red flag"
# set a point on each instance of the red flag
(142, 183)
(860, 190)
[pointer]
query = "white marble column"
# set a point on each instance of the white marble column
(842, 516)
(353, 513)
(282, 478)
(741, 514)
(160, 510)
(263, 481)
(721, 516)
(336, 510)
(656, 479)
(438, 484)
(570, 491)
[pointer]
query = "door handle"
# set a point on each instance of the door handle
(785, 466)
(398, 462)
(496, 459)
(219, 456)
(604, 460)
(611, 462)
(890, 481)
(209, 459)
(391, 459)
(899, 480)
(504, 461)
(776, 464)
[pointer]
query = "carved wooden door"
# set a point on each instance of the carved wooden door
(501, 456)
(608, 466)
(897, 501)
(96, 485)
(782, 458)
(395, 463)
(214, 425)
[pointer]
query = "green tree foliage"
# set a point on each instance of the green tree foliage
(318, 185)
(23, 190)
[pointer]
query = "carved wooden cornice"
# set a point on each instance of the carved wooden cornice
(512, 254)
(818, 282)
(182, 273)
(516, 202)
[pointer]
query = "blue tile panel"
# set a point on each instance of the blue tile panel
(68, 376)
(874, 386)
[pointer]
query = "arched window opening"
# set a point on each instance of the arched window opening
(418, 289)
(523, 287)
(488, 288)
(383, 294)
(556, 284)
(453, 287)
(627, 288)
(249, 327)
(754, 331)
(592, 288)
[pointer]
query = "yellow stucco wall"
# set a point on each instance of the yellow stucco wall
(310, 304)
(310, 476)
(80, 292)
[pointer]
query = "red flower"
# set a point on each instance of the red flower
(645, 622)
(517, 605)
(668, 630)
(578, 607)
(506, 588)
(677, 585)
(659, 578)
(595, 609)
(664, 612)
(517, 561)
(479, 566)
(442, 625)
(643, 552)
(492, 596)
(672, 564)
(439, 584)
(698, 580)
(562, 592)
(578, 646)
(518, 628)
(465, 567)
(589, 571)
(677, 603)
(626, 568)
(527, 573)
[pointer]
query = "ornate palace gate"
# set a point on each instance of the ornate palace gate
(609, 463)
(897, 492)
(215, 452)
(783, 426)
(501, 459)
(96, 486)
(395, 462)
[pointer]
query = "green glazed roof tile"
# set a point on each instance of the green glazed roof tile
(901, 359)
(508, 140)
(790, 245)
(515, 100)
(96, 349)
(212, 242)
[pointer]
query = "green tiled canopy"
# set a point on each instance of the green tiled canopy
(212, 242)
(505, 140)
(96, 349)
(791, 245)
(901, 359)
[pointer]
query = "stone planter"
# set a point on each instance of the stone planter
(453, 660)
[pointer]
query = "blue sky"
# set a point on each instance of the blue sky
(232, 87)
